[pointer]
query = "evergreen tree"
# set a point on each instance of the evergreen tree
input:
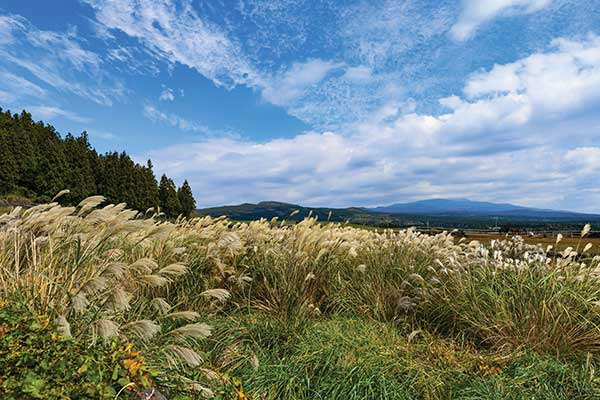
(167, 196)
(79, 179)
(186, 199)
(148, 182)
(51, 171)
(36, 162)
(8, 166)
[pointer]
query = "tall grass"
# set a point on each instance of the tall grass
(101, 273)
(105, 271)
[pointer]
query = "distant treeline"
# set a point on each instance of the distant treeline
(35, 162)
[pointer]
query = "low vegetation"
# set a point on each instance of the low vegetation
(97, 301)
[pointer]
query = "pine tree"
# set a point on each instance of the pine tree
(167, 196)
(150, 187)
(80, 179)
(186, 199)
(36, 162)
(8, 166)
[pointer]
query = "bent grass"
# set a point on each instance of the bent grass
(106, 271)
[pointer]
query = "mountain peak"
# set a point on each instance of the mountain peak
(466, 207)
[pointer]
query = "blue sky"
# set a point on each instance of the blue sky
(331, 103)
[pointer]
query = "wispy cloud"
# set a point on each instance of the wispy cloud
(51, 112)
(57, 59)
(104, 135)
(291, 84)
(175, 33)
(477, 12)
(183, 124)
(15, 88)
(167, 95)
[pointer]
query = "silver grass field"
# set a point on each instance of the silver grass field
(209, 299)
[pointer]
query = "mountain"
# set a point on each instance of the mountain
(271, 209)
(465, 207)
(447, 213)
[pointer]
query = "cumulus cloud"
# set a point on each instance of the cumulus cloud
(477, 12)
(558, 81)
(501, 140)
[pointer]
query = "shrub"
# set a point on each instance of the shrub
(38, 363)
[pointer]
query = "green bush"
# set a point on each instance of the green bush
(37, 363)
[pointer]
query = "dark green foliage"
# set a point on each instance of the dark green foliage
(186, 199)
(167, 197)
(36, 162)
(37, 363)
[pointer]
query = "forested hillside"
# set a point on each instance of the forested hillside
(36, 162)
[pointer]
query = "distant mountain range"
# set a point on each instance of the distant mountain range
(437, 212)
(470, 208)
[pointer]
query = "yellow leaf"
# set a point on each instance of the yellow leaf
(132, 365)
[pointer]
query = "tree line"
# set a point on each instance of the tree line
(35, 162)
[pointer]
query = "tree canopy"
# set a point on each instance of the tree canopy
(35, 162)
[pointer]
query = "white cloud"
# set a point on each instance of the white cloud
(476, 12)
(167, 95)
(175, 33)
(186, 125)
(586, 160)
(292, 84)
(502, 141)
(56, 59)
(51, 112)
(359, 74)
(15, 88)
(557, 81)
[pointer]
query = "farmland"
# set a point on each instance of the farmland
(99, 301)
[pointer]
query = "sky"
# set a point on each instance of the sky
(324, 102)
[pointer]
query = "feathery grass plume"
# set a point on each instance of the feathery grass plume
(115, 269)
(218, 294)
(144, 265)
(119, 299)
(60, 194)
(188, 315)
(154, 280)
(144, 329)
(175, 269)
(176, 354)
(160, 305)
(586, 229)
(198, 331)
(106, 328)
(587, 247)
(89, 203)
(63, 327)
(79, 302)
(202, 390)
(294, 212)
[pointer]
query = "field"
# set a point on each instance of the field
(102, 302)
(565, 242)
